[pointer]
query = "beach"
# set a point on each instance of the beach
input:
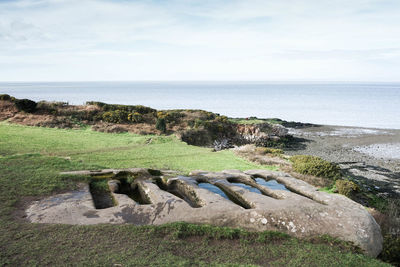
(369, 155)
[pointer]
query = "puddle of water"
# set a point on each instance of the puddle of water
(217, 190)
(248, 187)
(271, 184)
(213, 189)
(176, 193)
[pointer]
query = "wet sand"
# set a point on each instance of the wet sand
(369, 155)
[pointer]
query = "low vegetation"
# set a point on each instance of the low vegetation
(196, 127)
(276, 152)
(255, 120)
(346, 187)
(311, 165)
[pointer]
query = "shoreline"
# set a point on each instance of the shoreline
(368, 155)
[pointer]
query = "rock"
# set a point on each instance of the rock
(300, 210)
(222, 144)
(114, 185)
(260, 133)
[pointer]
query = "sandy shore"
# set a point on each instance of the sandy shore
(371, 156)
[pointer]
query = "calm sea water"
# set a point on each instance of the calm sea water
(350, 104)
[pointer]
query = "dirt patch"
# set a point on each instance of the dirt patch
(250, 152)
(109, 128)
(7, 110)
(138, 128)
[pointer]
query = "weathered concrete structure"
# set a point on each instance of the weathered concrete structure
(229, 198)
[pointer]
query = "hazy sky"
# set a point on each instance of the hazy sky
(78, 40)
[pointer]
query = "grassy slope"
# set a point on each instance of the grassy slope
(116, 150)
(29, 165)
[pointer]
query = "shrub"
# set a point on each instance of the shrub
(268, 150)
(143, 109)
(217, 129)
(135, 117)
(50, 107)
(170, 116)
(196, 137)
(222, 119)
(346, 187)
(311, 165)
(25, 105)
(96, 103)
(126, 108)
(117, 116)
(6, 97)
(206, 115)
(281, 142)
(391, 247)
(161, 125)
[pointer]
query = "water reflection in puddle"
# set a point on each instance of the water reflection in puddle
(250, 188)
(271, 184)
(213, 189)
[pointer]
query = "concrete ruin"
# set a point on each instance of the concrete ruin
(254, 200)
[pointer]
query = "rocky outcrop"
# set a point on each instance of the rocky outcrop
(234, 134)
(228, 198)
(259, 133)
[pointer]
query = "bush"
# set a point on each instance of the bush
(281, 142)
(95, 103)
(346, 187)
(143, 109)
(206, 115)
(135, 117)
(6, 97)
(117, 116)
(161, 125)
(316, 166)
(50, 107)
(222, 119)
(196, 137)
(391, 250)
(25, 105)
(267, 150)
(126, 108)
(170, 116)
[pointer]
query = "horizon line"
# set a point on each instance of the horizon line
(204, 81)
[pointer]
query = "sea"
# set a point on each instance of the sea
(373, 105)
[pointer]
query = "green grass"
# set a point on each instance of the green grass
(30, 162)
(255, 121)
(117, 150)
(249, 121)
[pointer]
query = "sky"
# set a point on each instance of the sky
(224, 40)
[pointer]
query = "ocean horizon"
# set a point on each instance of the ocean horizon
(360, 104)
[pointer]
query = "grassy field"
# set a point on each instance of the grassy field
(31, 159)
(254, 121)
(102, 150)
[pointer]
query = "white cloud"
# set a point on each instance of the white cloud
(199, 40)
